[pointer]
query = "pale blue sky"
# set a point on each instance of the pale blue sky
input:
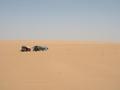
(94, 20)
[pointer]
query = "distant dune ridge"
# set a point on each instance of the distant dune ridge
(67, 65)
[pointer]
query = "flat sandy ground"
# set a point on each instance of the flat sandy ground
(65, 66)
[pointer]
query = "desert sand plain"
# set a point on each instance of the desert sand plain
(67, 65)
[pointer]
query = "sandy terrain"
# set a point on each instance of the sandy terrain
(65, 66)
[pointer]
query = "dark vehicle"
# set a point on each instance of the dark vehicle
(40, 48)
(25, 49)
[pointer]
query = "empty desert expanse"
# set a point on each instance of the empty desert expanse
(67, 65)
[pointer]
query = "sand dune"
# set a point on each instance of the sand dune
(65, 66)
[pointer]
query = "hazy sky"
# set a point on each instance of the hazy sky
(97, 20)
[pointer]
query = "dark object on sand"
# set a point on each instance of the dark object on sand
(40, 48)
(25, 49)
